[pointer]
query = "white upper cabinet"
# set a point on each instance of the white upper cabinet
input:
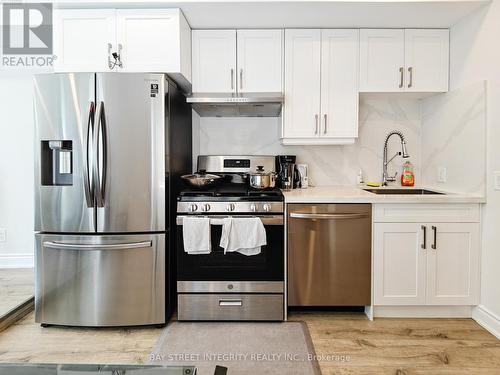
(146, 40)
(382, 60)
(154, 40)
(237, 61)
(397, 60)
(427, 60)
(260, 60)
(214, 61)
(321, 87)
(83, 39)
(302, 85)
(339, 83)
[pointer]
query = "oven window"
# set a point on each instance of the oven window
(217, 266)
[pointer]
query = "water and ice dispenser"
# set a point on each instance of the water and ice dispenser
(57, 162)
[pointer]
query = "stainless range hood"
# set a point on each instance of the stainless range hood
(237, 105)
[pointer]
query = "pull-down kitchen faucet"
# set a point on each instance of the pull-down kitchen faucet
(404, 153)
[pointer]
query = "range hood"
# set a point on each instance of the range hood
(237, 105)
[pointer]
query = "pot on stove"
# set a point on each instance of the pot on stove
(261, 179)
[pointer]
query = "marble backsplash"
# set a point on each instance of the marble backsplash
(454, 137)
(328, 165)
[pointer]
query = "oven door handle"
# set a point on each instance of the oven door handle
(218, 220)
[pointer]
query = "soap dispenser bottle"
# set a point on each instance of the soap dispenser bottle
(407, 177)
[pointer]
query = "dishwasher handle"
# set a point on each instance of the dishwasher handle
(300, 215)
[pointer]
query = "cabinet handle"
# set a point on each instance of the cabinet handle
(316, 123)
(410, 70)
(326, 122)
(241, 79)
(232, 79)
(119, 61)
(424, 229)
(110, 62)
(434, 230)
(401, 79)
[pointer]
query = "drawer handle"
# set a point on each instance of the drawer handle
(231, 302)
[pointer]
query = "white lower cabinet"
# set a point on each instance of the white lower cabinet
(453, 265)
(399, 264)
(426, 263)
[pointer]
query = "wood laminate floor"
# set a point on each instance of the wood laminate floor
(16, 286)
(384, 346)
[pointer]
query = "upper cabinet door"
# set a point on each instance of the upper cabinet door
(214, 61)
(427, 60)
(382, 60)
(81, 38)
(339, 83)
(152, 40)
(260, 60)
(302, 83)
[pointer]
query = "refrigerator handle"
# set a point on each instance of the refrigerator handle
(87, 181)
(101, 155)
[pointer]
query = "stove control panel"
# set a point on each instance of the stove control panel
(225, 207)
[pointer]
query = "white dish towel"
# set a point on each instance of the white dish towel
(196, 235)
(243, 235)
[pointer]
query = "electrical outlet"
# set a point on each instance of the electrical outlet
(441, 174)
(2, 234)
(497, 180)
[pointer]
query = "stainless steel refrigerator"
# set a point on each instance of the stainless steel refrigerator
(109, 152)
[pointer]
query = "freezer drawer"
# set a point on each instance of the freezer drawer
(230, 307)
(110, 280)
(329, 255)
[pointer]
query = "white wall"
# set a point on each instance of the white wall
(329, 165)
(16, 169)
(475, 55)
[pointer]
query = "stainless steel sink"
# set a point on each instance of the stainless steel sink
(403, 191)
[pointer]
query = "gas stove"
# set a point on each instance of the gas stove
(232, 286)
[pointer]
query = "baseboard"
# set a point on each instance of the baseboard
(422, 311)
(487, 319)
(17, 313)
(16, 261)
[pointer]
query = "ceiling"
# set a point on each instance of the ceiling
(203, 14)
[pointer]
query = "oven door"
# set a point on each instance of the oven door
(217, 266)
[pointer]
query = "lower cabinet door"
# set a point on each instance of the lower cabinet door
(100, 280)
(453, 264)
(399, 264)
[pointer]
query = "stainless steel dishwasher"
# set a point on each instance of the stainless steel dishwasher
(329, 254)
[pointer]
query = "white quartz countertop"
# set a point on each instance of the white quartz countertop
(355, 194)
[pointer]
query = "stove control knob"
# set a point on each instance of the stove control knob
(192, 207)
(267, 207)
(205, 207)
(230, 207)
(253, 207)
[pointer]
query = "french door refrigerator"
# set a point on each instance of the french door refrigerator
(109, 152)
